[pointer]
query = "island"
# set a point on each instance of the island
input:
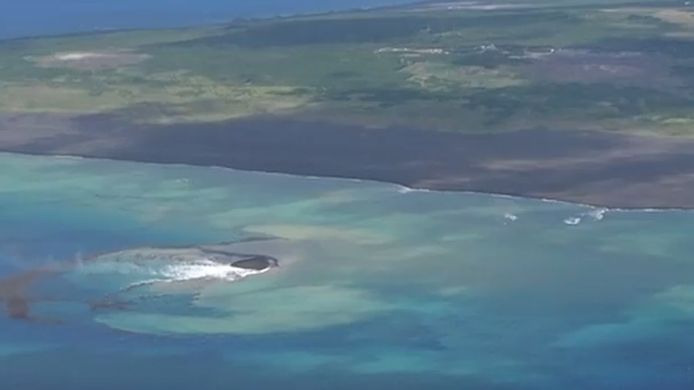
(577, 100)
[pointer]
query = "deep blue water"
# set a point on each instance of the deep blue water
(48, 17)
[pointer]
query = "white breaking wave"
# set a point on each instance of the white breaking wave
(595, 215)
(203, 269)
(598, 214)
(206, 269)
(573, 221)
(406, 190)
(148, 266)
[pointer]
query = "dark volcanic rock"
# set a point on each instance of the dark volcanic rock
(257, 263)
(604, 169)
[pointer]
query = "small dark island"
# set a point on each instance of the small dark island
(257, 263)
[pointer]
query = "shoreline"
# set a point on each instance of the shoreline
(209, 24)
(401, 188)
(601, 170)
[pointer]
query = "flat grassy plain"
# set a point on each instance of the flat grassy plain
(480, 68)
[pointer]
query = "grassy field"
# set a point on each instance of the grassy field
(603, 65)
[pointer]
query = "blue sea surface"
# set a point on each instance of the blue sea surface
(50, 17)
(378, 286)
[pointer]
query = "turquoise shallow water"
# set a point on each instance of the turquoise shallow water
(378, 286)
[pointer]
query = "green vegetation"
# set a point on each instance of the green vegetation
(570, 64)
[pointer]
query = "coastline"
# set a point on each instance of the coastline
(401, 188)
(609, 170)
(199, 23)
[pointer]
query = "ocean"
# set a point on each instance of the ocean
(121, 275)
(51, 17)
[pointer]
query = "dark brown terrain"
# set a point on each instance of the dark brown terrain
(604, 169)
